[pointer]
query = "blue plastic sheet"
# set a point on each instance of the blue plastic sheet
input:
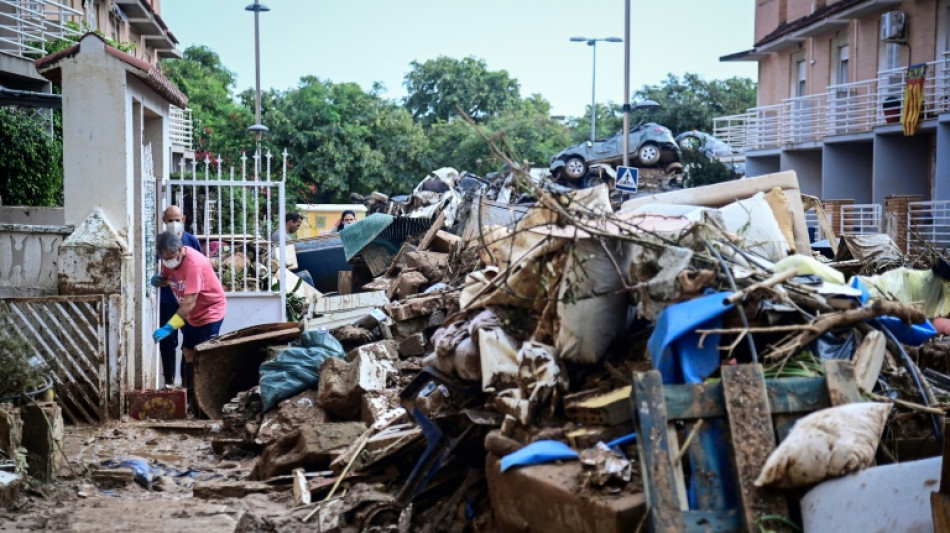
(674, 344)
(909, 334)
(296, 369)
(538, 453)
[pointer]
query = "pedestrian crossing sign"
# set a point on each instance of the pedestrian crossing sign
(628, 179)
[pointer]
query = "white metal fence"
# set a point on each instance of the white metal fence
(233, 214)
(28, 26)
(928, 222)
(860, 219)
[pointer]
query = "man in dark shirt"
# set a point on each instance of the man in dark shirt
(174, 222)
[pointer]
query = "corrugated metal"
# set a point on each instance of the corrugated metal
(72, 335)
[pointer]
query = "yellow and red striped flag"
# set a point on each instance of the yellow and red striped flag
(913, 98)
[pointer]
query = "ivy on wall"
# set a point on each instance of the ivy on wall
(31, 161)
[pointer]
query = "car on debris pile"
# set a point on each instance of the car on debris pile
(651, 145)
(713, 148)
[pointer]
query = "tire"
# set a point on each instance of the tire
(649, 154)
(574, 167)
(690, 142)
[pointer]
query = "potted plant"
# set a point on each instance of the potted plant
(24, 374)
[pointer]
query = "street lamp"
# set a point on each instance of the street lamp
(593, 91)
(258, 128)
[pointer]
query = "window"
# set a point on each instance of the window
(800, 77)
(843, 55)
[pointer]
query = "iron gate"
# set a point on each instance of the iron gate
(76, 337)
(233, 218)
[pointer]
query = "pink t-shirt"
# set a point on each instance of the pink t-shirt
(196, 276)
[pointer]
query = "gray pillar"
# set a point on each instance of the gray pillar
(847, 171)
(902, 165)
(807, 164)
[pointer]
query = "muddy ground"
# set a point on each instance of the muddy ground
(82, 500)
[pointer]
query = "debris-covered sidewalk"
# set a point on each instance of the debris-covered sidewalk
(675, 362)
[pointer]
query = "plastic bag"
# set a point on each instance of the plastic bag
(911, 286)
(754, 221)
(296, 369)
(805, 265)
(829, 443)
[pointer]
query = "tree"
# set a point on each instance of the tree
(609, 121)
(690, 102)
(220, 123)
(438, 85)
(31, 161)
(344, 140)
(701, 170)
(526, 131)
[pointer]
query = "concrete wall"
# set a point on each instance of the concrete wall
(767, 17)
(902, 165)
(807, 164)
(847, 171)
(761, 165)
(42, 216)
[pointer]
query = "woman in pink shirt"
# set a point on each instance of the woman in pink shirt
(201, 300)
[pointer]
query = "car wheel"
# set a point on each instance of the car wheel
(649, 154)
(690, 142)
(574, 167)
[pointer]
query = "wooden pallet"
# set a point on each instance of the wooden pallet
(757, 412)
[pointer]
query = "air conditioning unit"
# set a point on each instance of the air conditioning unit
(894, 27)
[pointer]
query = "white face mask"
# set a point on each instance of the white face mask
(175, 227)
(171, 263)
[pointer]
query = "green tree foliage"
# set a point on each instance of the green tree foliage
(524, 131)
(609, 121)
(31, 162)
(690, 102)
(438, 85)
(345, 140)
(220, 123)
(701, 170)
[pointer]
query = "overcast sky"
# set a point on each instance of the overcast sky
(366, 41)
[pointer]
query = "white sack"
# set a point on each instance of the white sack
(753, 220)
(829, 443)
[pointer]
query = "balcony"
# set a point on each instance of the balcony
(844, 109)
(27, 27)
(180, 129)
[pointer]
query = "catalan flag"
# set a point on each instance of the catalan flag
(913, 98)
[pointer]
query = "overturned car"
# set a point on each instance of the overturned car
(651, 145)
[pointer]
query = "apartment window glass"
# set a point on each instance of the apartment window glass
(892, 56)
(843, 58)
(800, 77)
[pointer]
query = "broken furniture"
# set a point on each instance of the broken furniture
(745, 410)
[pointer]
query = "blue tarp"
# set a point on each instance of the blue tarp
(909, 334)
(537, 453)
(674, 344)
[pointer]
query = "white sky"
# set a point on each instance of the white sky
(366, 41)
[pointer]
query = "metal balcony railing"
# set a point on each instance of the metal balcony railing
(28, 26)
(860, 219)
(930, 222)
(847, 108)
(181, 128)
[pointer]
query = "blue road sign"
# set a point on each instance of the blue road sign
(628, 179)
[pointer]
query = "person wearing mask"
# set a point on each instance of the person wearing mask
(201, 300)
(292, 222)
(174, 222)
(348, 217)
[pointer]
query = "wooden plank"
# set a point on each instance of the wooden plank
(940, 509)
(753, 439)
(329, 304)
(797, 395)
(674, 443)
(706, 470)
(842, 387)
(403, 250)
(654, 448)
(344, 282)
(436, 226)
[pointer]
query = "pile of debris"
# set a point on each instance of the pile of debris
(479, 341)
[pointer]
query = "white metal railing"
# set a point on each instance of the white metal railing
(930, 222)
(811, 222)
(181, 127)
(28, 26)
(803, 118)
(846, 108)
(860, 219)
(852, 107)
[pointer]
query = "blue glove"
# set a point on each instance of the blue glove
(163, 332)
(157, 280)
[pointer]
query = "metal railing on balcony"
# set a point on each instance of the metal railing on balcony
(27, 27)
(860, 219)
(847, 108)
(181, 128)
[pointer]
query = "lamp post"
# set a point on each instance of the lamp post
(258, 128)
(592, 42)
